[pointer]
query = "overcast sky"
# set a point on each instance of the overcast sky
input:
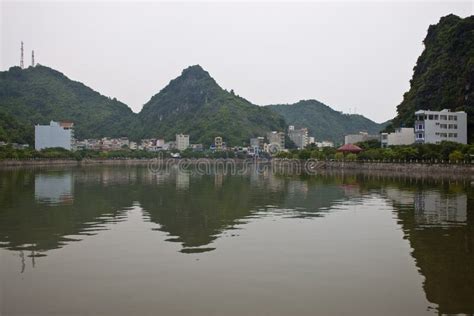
(353, 56)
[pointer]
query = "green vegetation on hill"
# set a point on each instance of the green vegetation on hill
(443, 77)
(12, 131)
(323, 122)
(37, 95)
(196, 105)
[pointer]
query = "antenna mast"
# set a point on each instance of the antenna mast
(32, 58)
(22, 65)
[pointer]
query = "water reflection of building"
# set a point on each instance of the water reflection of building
(182, 180)
(54, 189)
(402, 197)
(433, 208)
(439, 228)
(218, 180)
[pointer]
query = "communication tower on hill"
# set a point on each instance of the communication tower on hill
(22, 65)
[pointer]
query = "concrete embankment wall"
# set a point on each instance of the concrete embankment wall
(282, 164)
(407, 168)
(403, 167)
(72, 162)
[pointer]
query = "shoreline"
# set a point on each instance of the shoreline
(309, 167)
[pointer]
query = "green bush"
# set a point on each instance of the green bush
(351, 157)
(456, 156)
(339, 156)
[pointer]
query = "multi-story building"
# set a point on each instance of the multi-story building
(361, 137)
(432, 127)
(298, 136)
(182, 141)
(257, 142)
(401, 136)
(218, 143)
(54, 135)
(276, 138)
(160, 143)
(133, 146)
(324, 143)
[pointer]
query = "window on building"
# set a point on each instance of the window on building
(419, 135)
(455, 117)
(443, 117)
(430, 117)
(436, 117)
(455, 126)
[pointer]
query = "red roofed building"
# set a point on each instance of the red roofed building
(349, 148)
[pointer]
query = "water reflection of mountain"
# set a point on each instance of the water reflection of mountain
(212, 204)
(439, 225)
(34, 216)
(41, 210)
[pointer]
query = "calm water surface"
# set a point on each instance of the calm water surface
(124, 241)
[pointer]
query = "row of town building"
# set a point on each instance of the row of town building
(431, 127)
(276, 140)
(61, 134)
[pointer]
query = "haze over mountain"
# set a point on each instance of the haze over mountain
(443, 77)
(323, 122)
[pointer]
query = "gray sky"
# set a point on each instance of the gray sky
(349, 55)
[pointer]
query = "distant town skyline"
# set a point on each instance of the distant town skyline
(354, 57)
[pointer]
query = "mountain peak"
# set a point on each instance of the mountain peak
(195, 72)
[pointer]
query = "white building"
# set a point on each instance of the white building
(218, 143)
(361, 137)
(160, 143)
(432, 127)
(401, 136)
(54, 135)
(298, 136)
(324, 143)
(182, 141)
(276, 138)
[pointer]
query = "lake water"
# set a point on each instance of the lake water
(127, 241)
